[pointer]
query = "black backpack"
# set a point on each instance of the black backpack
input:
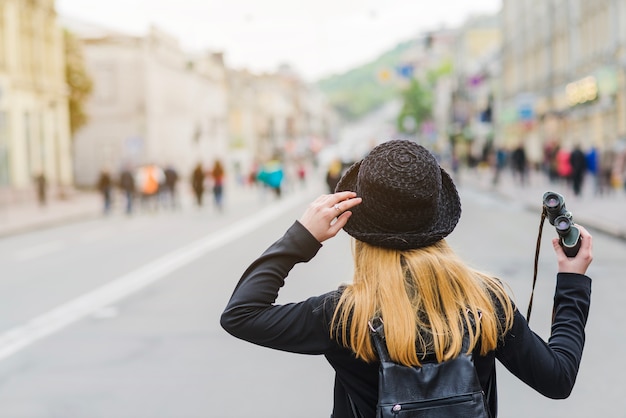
(432, 390)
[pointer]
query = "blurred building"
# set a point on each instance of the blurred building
(428, 54)
(460, 67)
(563, 72)
(34, 121)
(476, 71)
(152, 103)
(155, 103)
(275, 114)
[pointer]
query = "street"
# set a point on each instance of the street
(119, 317)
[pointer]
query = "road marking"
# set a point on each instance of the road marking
(39, 250)
(47, 324)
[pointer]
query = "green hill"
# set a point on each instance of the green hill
(364, 89)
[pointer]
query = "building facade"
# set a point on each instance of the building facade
(276, 115)
(476, 56)
(152, 104)
(34, 121)
(155, 103)
(563, 72)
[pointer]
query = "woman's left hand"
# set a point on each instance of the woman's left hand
(327, 214)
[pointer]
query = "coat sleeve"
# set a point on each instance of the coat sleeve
(251, 314)
(551, 368)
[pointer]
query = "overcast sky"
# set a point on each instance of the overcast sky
(316, 37)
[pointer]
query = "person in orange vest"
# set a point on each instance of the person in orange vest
(149, 179)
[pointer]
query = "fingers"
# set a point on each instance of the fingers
(327, 214)
(346, 201)
(586, 243)
(339, 223)
(585, 236)
(339, 196)
(558, 249)
(583, 258)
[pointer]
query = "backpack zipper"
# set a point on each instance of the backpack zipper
(432, 403)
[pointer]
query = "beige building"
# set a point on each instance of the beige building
(34, 121)
(563, 77)
(152, 103)
(275, 114)
(476, 57)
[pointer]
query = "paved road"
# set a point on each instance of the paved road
(152, 346)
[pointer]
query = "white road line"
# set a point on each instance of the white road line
(22, 336)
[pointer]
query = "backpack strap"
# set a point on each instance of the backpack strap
(378, 336)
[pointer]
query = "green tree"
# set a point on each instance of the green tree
(79, 83)
(417, 105)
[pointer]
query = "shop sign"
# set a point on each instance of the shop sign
(582, 91)
(526, 106)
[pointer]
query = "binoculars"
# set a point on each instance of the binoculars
(561, 219)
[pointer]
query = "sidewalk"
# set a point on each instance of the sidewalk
(606, 214)
(29, 216)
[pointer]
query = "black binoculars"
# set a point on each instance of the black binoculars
(561, 219)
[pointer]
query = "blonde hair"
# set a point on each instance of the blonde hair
(419, 292)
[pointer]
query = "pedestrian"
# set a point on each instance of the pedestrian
(42, 186)
(578, 161)
(519, 163)
(272, 175)
(592, 158)
(301, 172)
(333, 174)
(171, 180)
(398, 204)
(149, 179)
(550, 151)
(197, 183)
(499, 164)
(105, 187)
(217, 176)
(127, 184)
(605, 171)
(563, 165)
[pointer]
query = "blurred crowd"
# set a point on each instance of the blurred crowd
(152, 187)
(568, 166)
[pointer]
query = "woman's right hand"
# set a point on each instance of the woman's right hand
(327, 214)
(583, 258)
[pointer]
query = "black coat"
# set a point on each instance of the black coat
(303, 327)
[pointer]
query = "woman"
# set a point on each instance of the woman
(398, 205)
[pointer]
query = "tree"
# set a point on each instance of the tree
(416, 108)
(79, 83)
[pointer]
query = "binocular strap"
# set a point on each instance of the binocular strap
(532, 292)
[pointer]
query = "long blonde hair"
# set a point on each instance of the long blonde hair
(419, 292)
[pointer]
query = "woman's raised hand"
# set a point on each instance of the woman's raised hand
(327, 214)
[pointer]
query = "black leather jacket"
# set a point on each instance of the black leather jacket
(550, 368)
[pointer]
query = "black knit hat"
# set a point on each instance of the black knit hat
(409, 201)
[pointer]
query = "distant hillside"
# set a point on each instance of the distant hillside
(361, 90)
